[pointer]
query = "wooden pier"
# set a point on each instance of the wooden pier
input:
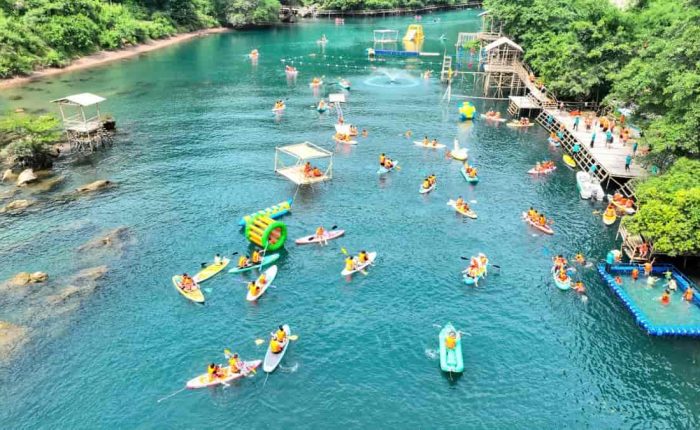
(609, 160)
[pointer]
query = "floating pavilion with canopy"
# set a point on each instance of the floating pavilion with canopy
(81, 121)
(290, 160)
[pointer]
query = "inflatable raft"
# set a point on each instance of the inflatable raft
(451, 360)
(273, 212)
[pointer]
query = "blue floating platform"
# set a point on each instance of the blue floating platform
(393, 53)
(667, 321)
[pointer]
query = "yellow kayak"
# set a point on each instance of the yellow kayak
(210, 271)
(569, 161)
(194, 294)
(609, 220)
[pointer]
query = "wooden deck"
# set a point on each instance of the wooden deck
(296, 175)
(612, 158)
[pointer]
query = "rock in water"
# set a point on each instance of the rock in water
(12, 337)
(8, 176)
(94, 186)
(114, 239)
(19, 280)
(25, 177)
(37, 277)
(16, 205)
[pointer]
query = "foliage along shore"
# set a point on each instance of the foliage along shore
(644, 57)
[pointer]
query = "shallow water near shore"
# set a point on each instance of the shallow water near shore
(195, 152)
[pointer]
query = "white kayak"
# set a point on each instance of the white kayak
(518, 125)
(371, 256)
(312, 238)
(203, 380)
(429, 145)
(272, 360)
(269, 277)
(427, 190)
(383, 169)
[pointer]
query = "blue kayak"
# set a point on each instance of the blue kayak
(451, 359)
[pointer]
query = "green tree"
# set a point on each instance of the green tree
(26, 139)
(669, 210)
(242, 13)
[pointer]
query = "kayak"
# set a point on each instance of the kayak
(609, 220)
(316, 85)
(272, 360)
(562, 285)
(321, 110)
(270, 275)
(266, 260)
(344, 85)
(490, 118)
(451, 359)
(621, 207)
(553, 142)
(279, 109)
(347, 142)
(195, 295)
(210, 271)
(518, 125)
(570, 162)
(329, 235)
(534, 171)
(203, 380)
(291, 73)
(543, 228)
(427, 190)
(470, 213)
(371, 256)
(429, 145)
(383, 169)
(474, 180)
(469, 280)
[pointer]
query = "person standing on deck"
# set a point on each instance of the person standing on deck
(608, 138)
(550, 119)
(628, 161)
(577, 120)
(635, 145)
(592, 139)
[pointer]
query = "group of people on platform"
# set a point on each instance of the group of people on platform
(312, 171)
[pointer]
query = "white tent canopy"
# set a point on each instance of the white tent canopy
(336, 98)
(83, 99)
(305, 151)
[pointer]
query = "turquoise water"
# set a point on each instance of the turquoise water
(647, 298)
(195, 152)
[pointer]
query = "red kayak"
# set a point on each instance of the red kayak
(329, 235)
(543, 228)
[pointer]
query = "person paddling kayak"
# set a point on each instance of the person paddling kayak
(451, 340)
(253, 288)
(256, 257)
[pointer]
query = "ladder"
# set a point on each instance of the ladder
(338, 109)
(446, 68)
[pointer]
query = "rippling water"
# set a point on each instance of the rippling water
(195, 152)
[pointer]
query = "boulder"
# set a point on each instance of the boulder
(94, 186)
(89, 275)
(25, 177)
(16, 206)
(12, 337)
(19, 280)
(8, 175)
(63, 295)
(8, 193)
(38, 277)
(43, 185)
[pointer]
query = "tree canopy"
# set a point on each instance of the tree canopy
(669, 210)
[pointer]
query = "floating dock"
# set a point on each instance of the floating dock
(683, 327)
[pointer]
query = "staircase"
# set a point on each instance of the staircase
(446, 74)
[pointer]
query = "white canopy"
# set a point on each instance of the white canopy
(500, 41)
(342, 129)
(83, 99)
(305, 151)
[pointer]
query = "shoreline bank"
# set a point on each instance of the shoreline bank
(330, 13)
(104, 57)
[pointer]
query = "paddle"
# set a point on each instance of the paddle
(468, 259)
(314, 236)
(259, 342)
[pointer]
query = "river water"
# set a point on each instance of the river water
(195, 152)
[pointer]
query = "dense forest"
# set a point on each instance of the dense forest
(645, 58)
(44, 33)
